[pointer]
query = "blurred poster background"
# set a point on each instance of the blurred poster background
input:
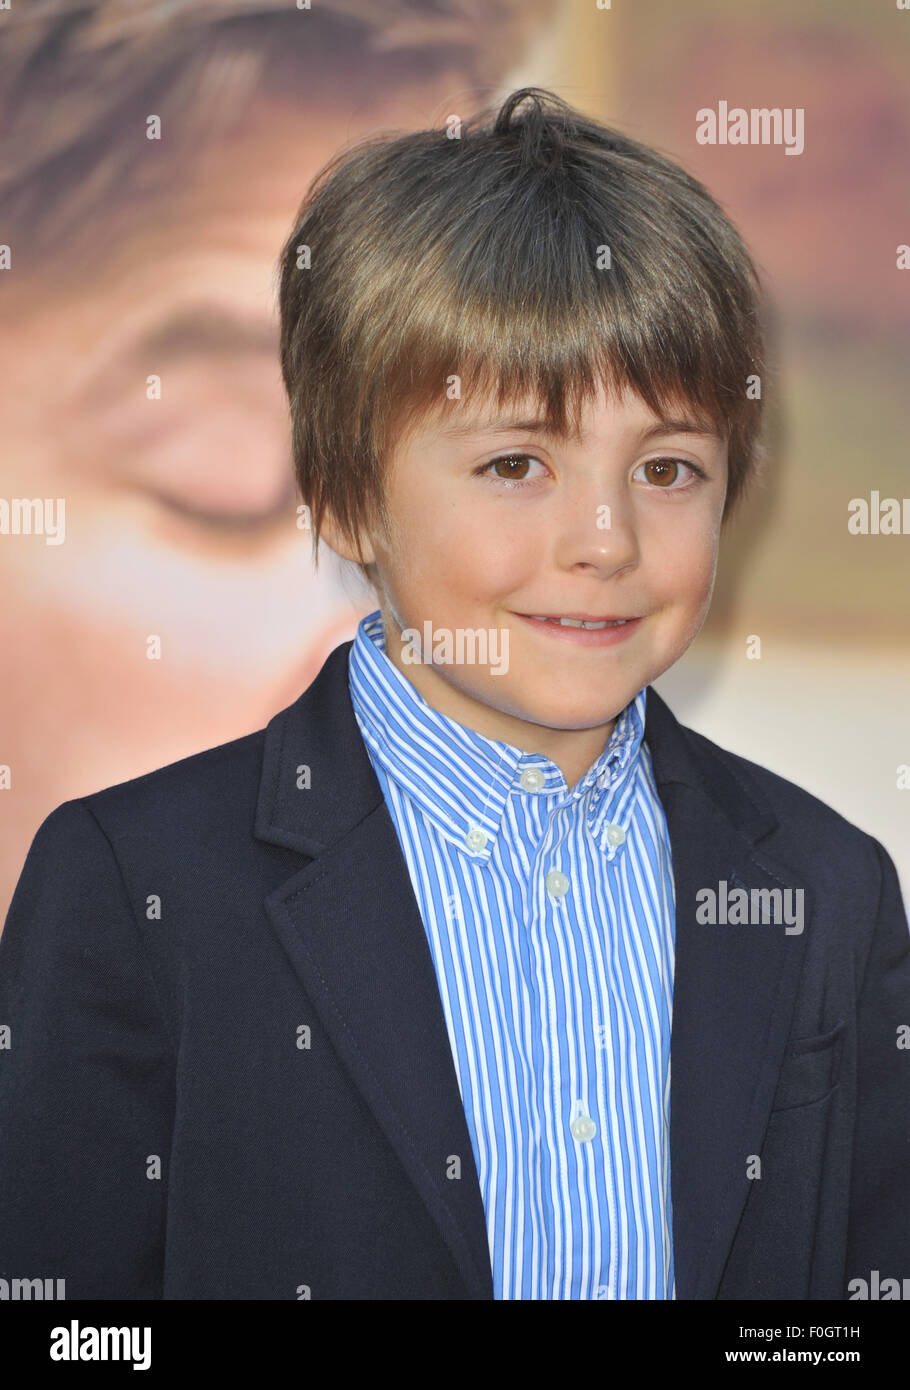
(133, 259)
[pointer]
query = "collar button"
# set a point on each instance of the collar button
(475, 838)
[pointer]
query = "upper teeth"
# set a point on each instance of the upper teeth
(577, 622)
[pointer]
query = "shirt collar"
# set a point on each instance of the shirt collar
(460, 779)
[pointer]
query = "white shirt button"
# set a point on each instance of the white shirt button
(557, 883)
(532, 779)
(615, 835)
(475, 838)
(583, 1128)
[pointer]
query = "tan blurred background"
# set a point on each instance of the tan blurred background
(136, 261)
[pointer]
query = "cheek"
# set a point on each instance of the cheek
(682, 571)
(496, 556)
(451, 546)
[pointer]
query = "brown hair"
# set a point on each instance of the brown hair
(78, 78)
(477, 257)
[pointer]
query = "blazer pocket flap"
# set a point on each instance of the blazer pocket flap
(810, 1068)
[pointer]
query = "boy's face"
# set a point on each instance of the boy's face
(614, 524)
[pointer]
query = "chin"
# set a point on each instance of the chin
(568, 715)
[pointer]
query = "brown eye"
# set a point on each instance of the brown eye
(512, 471)
(662, 471)
(514, 467)
(670, 475)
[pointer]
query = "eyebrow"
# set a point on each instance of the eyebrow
(665, 425)
(206, 328)
(195, 329)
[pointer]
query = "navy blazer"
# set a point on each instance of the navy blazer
(228, 1076)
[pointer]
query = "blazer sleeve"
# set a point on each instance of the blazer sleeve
(879, 1222)
(86, 1074)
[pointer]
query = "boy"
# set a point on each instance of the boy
(377, 1002)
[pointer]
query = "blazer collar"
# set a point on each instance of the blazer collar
(351, 926)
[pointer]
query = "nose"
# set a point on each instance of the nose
(594, 529)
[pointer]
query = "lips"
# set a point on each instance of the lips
(588, 621)
(580, 631)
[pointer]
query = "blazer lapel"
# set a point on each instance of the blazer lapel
(351, 927)
(352, 930)
(734, 991)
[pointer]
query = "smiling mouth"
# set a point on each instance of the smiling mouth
(590, 624)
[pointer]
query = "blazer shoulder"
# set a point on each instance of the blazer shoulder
(215, 785)
(799, 813)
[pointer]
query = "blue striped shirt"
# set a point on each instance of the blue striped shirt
(550, 917)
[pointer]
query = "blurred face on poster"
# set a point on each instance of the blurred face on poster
(143, 412)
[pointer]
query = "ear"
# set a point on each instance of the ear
(336, 539)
